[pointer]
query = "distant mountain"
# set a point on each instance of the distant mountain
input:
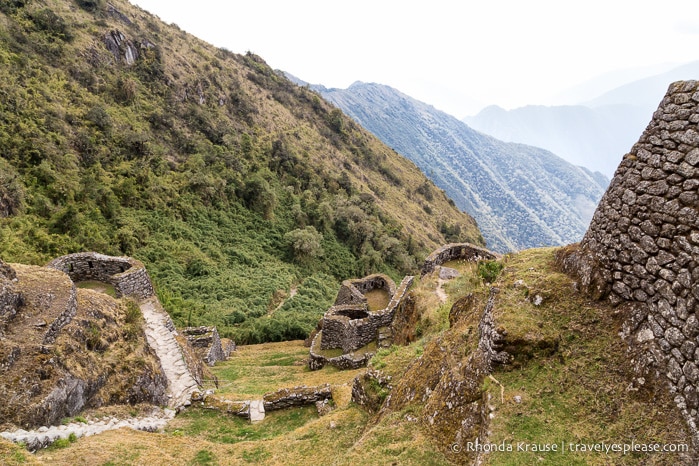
(595, 134)
(521, 196)
(647, 92)
(595, 138)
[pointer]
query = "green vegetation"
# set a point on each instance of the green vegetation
(571, 373)
(97, 286)
(228, 181)
(489, 270)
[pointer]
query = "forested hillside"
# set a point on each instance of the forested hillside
(236, 188)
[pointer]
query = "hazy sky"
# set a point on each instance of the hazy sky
(455, 55)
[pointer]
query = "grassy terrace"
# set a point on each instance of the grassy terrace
(568, 383)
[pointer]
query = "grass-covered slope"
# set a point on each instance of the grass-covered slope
(127, 136)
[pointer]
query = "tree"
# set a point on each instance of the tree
(305, 243)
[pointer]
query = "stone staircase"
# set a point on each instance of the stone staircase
(161, 333)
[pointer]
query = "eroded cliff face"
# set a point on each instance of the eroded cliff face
(642, 246)
(446, 383)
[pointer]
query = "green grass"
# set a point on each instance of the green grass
(576, 393)
(213, 193)
(224, 429)
(97, 286)
(377, 299)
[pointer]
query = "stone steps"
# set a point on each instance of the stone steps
(181, 383)
(45, 436)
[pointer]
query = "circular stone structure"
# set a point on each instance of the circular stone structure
(128, 276)
(453, 251)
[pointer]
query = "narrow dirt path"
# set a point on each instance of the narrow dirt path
(439, 291)
(292, 293)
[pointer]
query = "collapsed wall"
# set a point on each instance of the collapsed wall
(208, 344)
(642, 246)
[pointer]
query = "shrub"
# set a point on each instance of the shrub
(489, 270)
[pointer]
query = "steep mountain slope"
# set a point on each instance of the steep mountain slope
(123, 135)
(594, 134)
(521, 196)
(593, 138)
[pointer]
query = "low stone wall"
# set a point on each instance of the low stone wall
(127, 275)
(370, 389)
(454, 251)
(296, 396)
(352, 326)
(206, 341)
(353, 291)
(64, 318)
(10, 298)
(346, 361)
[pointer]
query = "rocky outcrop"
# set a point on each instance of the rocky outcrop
(642, 246)
(122, 48)
(455, 251)
(447, 380)
(68, 349)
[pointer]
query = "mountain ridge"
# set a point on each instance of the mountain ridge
(595, 133)
(476, 170)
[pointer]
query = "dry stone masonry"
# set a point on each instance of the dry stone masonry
(350, 325)
(642, 246)
(128, 276)
(454, 251)
(10, 298)
(208, 344)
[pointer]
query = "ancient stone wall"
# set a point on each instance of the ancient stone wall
(296, 396)
(353, 291)
(454, 251)
(206, 341)
(352, 326)
(128, 276)
(643, 242)
(10, 298)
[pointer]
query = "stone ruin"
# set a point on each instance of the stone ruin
(641, 250)
(128, 276)
(350, 325)
(10, 298)
(454, 251)
(207, 343)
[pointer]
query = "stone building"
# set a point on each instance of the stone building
(642, 246)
